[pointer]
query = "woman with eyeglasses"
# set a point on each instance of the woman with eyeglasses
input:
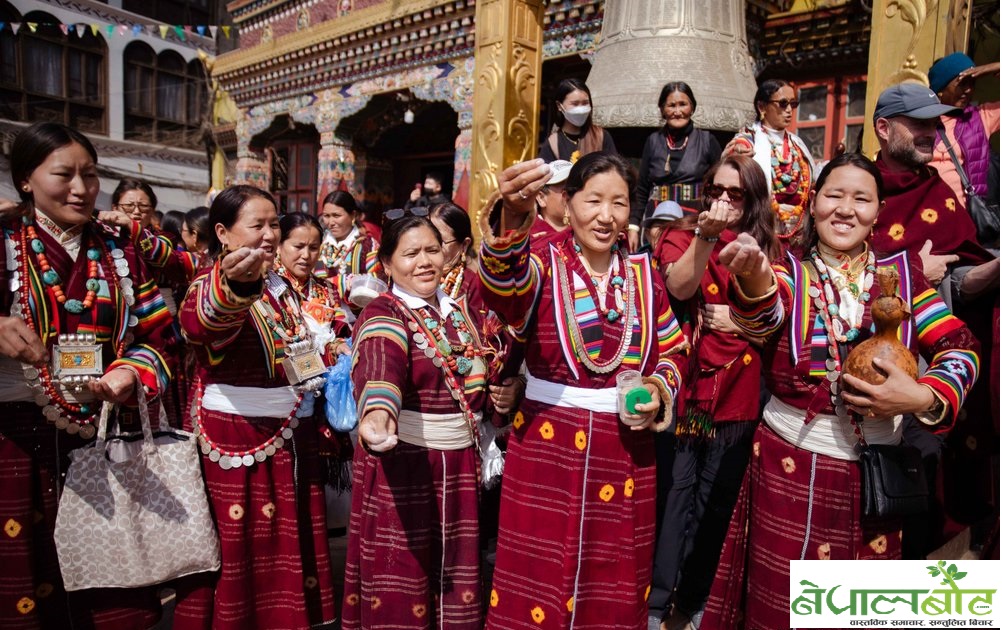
(135, 198)
(674, 160)
(345, 252)
(784, 158)
(576, 535)
(258, 363)
(719, 405)
(800, 497)
(575, 134)
(65, 274)
(422, 361)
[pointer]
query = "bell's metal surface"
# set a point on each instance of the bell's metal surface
(701, 42)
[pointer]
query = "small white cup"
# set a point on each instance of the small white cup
(364, 289)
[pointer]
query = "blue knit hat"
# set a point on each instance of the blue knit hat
(947, 69)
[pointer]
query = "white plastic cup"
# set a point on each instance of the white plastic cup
(364, 289)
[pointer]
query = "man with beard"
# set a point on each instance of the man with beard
(921, 215)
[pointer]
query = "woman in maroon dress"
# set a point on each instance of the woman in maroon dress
(252, 410)
(64, 273)
(718, 410)
(800, 498)
(577, 523)
(421, 366)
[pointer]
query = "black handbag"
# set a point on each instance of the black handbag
(893, 480)
(985, 215)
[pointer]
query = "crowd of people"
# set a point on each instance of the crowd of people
(655, 354)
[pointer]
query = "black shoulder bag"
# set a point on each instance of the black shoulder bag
(985, 216)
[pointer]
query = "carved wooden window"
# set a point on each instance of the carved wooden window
(165, 97)
(294, 176)
(831, 112)
(46, 76)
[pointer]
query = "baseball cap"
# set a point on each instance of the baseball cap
(561, 169)
(912, 100)
(665, 211)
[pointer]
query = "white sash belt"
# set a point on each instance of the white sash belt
(826, 434)
(550, 393)
(439, 431)
(250, 402)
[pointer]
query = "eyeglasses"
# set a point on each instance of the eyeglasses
(395, 214)
(783, 103)
(132, 207)
(716, 192)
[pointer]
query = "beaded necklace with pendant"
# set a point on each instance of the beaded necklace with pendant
(567, 301)
(66, 416)
(844, 330)
(824, 300)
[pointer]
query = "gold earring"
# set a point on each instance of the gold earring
(567, 218)
(26, 188)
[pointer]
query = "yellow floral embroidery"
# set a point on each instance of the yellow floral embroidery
(788, 465)
(628, 488)
(12, 528)
(25, 605)
(494, 265)
(712, 288)
(581, 440)
(647, 593)
(570, 605)
(951, 205)
(376, 603)
(747, 359)
(419, 610)
(468, 597)
(352, 599)
(268, 509)
(494, 598)
(756, 449)
(546, 430)
(518, 421)
(824, 552)
(897, 231)
(44, 590)
(607, 492)
(879, 544)
(236, 512)
(929, 215)
(971, 443)
(538, 615)
(310, 582)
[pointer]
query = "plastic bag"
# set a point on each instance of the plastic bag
(491, 456)
(339, 392)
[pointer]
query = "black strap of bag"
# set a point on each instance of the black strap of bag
(986, 218)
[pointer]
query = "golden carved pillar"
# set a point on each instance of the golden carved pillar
(906, 36)
(508, 63)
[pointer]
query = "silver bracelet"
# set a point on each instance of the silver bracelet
(708, 239)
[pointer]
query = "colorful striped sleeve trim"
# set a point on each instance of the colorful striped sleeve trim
(506, 267)
(379, 396)
(759, 317)
(155, 250)
(951, 374)
(150, 307)
(382, 327)
(933, 319)
(218, 307)
(150, 364)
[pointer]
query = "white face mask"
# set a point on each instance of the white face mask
(577, 115)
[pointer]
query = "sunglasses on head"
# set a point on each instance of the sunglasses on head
(783, 103)
(395, 214)
(716, 192)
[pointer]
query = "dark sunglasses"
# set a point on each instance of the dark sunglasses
(784, 103)
(716, 192)
(395, 214)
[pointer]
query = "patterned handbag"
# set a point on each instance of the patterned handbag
(133, 511)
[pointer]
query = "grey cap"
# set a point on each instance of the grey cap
(665, 211)
(912, 100)
(561, 169)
